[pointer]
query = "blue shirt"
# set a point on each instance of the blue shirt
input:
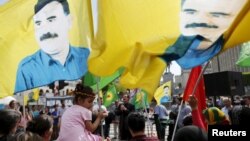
(194, 57)
(40, 69)
(161, 111)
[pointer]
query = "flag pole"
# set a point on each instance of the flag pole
(24, 109)
(99, 103)
(145, 108)
(199, 78)
(195, 87)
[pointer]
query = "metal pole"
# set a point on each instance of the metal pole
(218, 62)
(24, 116)
(99, 104)
(178, 116)
(199, 78)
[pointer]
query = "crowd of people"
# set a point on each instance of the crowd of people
(87, 121)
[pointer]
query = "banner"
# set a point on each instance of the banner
(140, 100)
(131, 34)
(163, 93)
(43, 41)
(144, 35)
(214, 26)
(110, 96)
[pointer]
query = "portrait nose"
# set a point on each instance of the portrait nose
(203, 17)
(44, 27)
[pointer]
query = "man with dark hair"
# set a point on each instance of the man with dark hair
(203, 24)
(123, 110)
(246, 99)
(209, 19)
(136, 125)
(56, 59)
(9, 120)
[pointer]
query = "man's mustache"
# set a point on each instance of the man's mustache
(48, 35)
(195, 25)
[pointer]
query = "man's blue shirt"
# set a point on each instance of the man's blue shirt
(40, 69)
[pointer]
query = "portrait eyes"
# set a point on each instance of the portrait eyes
(38, 23)
(219, 14)
(190, 12)
(51, 19)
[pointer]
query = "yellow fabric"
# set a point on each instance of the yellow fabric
(17, 38)
(211, 116)
(36, 94)
(100, 93)
(239, 31)
(159, 93)
(25, 99)
(130, 34)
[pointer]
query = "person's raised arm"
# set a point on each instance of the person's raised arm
(193, 102)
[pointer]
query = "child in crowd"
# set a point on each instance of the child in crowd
(76, 121)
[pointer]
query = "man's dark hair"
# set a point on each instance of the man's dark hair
(41, 3)
(8, 120)
(40, 125)
(136, 122)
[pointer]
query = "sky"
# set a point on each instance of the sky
(175, 68)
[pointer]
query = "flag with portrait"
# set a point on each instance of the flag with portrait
(32, 35)
(144, 35)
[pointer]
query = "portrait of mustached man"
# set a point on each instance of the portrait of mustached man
(56, 59)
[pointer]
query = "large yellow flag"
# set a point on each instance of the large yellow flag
(131, 34)
(17, 37)
(238, 31)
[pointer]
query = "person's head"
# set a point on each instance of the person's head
(187, 120)
(26, 136)
(215, 116)
(136, 123)
(56, 107)
(246, 99)
(9, 120)
(33, 108)
(190, 133)
(208, 18)
(117, 103)
(125, 98)
(84, 96)
(41, 125)
(63, 103)
(12, 104)
(46, 110)
(52, 23)
(244, 117)
(227, 102)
